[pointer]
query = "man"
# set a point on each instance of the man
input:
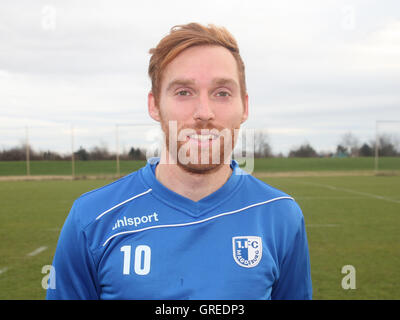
(190, 225)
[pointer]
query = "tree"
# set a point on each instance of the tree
(304, 151)
(81, 154)
(262, 148)
(136, 154)
(366, 150)
(351, 144)
(341, 151)
(19, 153)
(14, 154)
(387, 146)
(50, 155)
(99, 153)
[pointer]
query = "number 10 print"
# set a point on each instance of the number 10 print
(141, 261)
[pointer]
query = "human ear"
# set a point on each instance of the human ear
(154, 110)
(246, 109)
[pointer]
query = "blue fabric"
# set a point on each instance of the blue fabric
(136, 239)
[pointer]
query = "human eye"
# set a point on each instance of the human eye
(223, 93)
(183, 93)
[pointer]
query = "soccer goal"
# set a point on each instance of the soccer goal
(387, 146)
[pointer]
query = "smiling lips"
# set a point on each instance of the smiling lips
(202, 139)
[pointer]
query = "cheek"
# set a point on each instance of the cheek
(229, 118)
(173, 110)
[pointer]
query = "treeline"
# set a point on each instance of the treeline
(102, 153)
(96, 153)
(348, 146)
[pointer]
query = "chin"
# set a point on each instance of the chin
(200, 168)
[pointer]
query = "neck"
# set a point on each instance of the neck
(189, 184)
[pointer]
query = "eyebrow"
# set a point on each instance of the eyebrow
(180, 82)
(188, 82)
(225, 81)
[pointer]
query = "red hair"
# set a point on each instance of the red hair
(185, 36)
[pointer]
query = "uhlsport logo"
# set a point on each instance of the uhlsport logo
(247, 250)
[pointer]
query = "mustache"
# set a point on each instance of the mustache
(175, 131)
(198, 127)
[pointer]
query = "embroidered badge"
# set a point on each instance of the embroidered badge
(247, 250)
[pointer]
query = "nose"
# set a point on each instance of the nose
(203, 111)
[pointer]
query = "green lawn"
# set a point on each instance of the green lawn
(349, 220)
(94, 167)
(109, 167)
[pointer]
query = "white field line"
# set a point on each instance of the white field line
(31, 254)
(37, 251)
(2, 270)
(365, 194)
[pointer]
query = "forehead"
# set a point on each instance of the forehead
(202, 64)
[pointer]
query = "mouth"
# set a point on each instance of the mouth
(202, 139)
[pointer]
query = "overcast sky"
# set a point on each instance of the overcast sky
(315, 69)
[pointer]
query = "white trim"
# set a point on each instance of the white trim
(196, 222)
(123, 202)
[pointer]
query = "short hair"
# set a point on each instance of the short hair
(182, 37)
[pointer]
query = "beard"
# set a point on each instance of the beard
(199, 149)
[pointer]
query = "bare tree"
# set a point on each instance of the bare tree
(351, 144)
(388, 146)
(262, 147)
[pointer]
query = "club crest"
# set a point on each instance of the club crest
(247, 250)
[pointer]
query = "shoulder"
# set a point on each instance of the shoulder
(90, 205)
(280, 204)
(255, 187)
(258, 187)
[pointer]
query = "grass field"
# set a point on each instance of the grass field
(350, 220)
(108, 167)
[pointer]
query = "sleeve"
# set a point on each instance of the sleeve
(294, 282)
(73, 265)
